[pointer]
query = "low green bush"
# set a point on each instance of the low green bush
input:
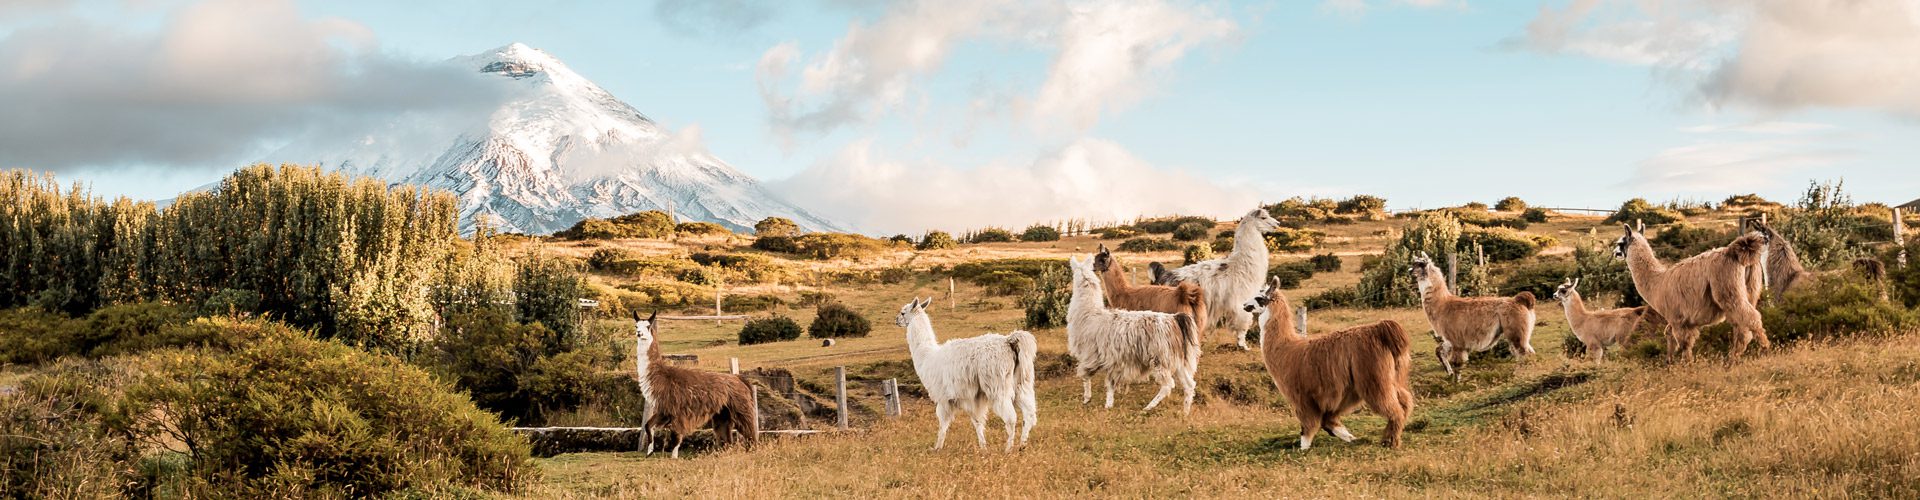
(1045, 305)
(835, 320)
(1004, 283)
(1361, 204)
(776, 226)
(990, 235)
(1293, 240)
(1192, 231)
(700, 228)
(1326, 263)
(1031, 267)
(749, 303)
(1511, 204)
(1164, 225)
(1117, 232)
(1291, 274)
(648, 224)
(1638, 209)
(782, 244)
(769, 329)
(936, 240)
(1146, 244)
(658, 294)
(1195, 253)
(1501, 244)
(1835, 306)
(1534, 215)
(1040, 233)
(742, 268)
(1339, 296)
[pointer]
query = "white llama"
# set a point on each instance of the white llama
(1123, 345)
(1233, 280)
(989, 371)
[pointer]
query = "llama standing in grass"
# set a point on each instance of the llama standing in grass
(991, 371)
(682, 400)
(1124, 345)
(1325, 377)
(1230, 281)
(1597, 329)
(1122, 294)
(1719, 284)
(1784, 271)
(1464, 325)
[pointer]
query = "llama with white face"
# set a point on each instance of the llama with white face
(681, 400)
(1232, 280)
(1597, 329)
(1464, 325)
(976, 374)
(1126, 345)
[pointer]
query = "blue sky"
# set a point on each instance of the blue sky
(1429, 103)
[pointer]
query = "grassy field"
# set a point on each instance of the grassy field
(1825, 420)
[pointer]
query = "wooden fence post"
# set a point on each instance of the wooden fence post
(1900, 236)
(951, 305)
(733, 365)
(716, 303)
(892, 388)
(840, 393)
(1453, 272)
(756, 404)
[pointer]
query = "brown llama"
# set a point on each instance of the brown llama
(1187, 297)
(1784, 271)
(1597, 329)
(1722, 284)
(682, 400)
(1326, 376)
(1465, 325)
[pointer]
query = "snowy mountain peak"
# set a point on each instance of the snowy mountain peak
(557, 150)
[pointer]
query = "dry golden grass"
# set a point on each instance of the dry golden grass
(1806, 421)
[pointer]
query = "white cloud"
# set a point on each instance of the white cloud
(1088, 179)
(1358, 7)
(1105, 56)
(1768, 55)
(216, 84)
(1739, 158)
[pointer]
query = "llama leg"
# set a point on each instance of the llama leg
(943, 412)
(1385, 401)
(1029, 414)
(1337, 429)
(1110, 382)
(677, 441)
(979, 415)
(1309, 424)
(1687, 338)
(1187, 389)
(1086, 389)
(646, 425)
(1008, 418)
(1166, 386)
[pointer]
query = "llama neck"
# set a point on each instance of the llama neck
(1641, 263)
(920, 338)
(1436, 288)
(1114, 280)
(1086, 298)
(1249, 248)
(1278, 330)
(643, 358)
(1575, 307)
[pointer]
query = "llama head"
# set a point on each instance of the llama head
(1636, 230)
(917, 306)
(1422, 271)
(1566, 289)
(1261, 302)
(643, 328)
(1258, 218)
(1102, 260)
(1083, 275)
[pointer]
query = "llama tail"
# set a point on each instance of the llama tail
(1160, 274)
(1393, 338)
(1024, 349)
(1872, 268)
(747, 419)
(1189, 335)
(1748, 248)
(1195, 298)
(1524, 298)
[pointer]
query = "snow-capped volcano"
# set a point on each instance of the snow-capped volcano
(557, 150)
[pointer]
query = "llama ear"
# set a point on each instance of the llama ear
(1103, 248)
(651, 317)
(1639, 226)
(636, 315)
(1576, 283)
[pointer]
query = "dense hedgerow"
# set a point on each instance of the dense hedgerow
(1146, 244)
(1326, 263)
(1638, 209)
(1192, 231)
(835, 320)
(1040, 233)
(989, 235)
(769, 329)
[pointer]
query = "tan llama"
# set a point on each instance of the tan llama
(1327, 376)
(1597, 329)
(1463, 325)
(1702, 290)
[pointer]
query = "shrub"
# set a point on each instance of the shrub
(1534, 215)
(1222, 244)
(990, 235)
(1361, 204)
(1684, 240)
(1501, 244)
(231, 301)
(775, 226)
(489, 355)
(1835, 306)
(827, 246)
(1339, 296)
(1542, 277)
(769, 329)
(749, 303)
(1046, 303)
(1511, 204)
(1293, 240)
(1475, 206)
(1384, 281)
(836, 320)
(700, 228)
(1145, 244)
(1326, 263)
(742, 268)
(1291, 274)
(1192, 231)
(1747, 201)
(782, 244)
(32, 335)
(900, 240)
(1166, 225)
(1040, 233)
(936, 240)
(1508, 222)
(648, 224)
(1638, 209)
(658, 294)
(1005, 283)
(127, 327)
(1117, 232)
(1196, 253)
(315, 417)
(1301, 209)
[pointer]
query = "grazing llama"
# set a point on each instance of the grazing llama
(1326, 376)
(1597, 329)
(1122, 294)
(681, 400)
(1232, 280)
(1784, 271)
(1463, 325)
(1719, 284)
(1124, 345)
(991, 371)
